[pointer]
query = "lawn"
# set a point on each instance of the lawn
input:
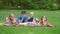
(53, 17)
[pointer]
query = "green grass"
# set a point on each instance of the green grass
(53, 17)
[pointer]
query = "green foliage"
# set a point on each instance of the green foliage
(31, 4)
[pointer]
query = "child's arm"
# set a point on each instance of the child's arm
(20, 21)
(29, 18)
(7, 20)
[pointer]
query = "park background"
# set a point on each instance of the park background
(30, 4)
(48, 8)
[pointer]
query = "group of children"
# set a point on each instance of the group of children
(26, 21)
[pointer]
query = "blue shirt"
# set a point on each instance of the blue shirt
(24, 19)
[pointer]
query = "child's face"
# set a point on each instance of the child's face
(44, 18)
(31, 15)
(11, 17)
(23, 15)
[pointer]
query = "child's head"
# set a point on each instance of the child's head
(11, 16)
(44, 18)
(42, 21)
(31, 14)
(23, 13)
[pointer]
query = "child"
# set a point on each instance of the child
(22, 19)
(31, 21)
(10, 20)
(44, 22)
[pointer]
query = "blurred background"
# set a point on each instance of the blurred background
(30, 4)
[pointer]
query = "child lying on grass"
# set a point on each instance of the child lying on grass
(31, 21)
(44, 22)
(11, 20)
(21, 20)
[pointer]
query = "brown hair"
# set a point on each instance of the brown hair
(43, 17)
(41, 21)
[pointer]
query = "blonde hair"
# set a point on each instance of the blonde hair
(11, 14)
(32, 12)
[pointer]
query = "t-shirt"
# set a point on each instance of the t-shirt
(30, 20)
(24, 19)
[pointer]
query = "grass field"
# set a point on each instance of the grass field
(53, 17)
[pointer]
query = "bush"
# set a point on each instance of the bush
(30, 4)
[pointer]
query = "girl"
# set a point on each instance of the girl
(11, 20)
(31, 21)
(44, 22)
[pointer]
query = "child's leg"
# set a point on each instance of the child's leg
(6, 23)
(50, 25)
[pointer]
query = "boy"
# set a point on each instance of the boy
(23, 18)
